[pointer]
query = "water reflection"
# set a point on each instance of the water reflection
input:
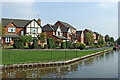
(96, 66)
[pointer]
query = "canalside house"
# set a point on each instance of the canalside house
(96, 37)
(86, 31)
(14, 28)
(54, 31)
(80, 36)
(69, 30)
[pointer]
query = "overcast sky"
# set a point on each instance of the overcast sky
(101, 17)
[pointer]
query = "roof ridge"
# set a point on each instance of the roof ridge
(16, 19)
(51, 26)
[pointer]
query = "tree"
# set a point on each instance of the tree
(107, 38)
(51, 43)
(111, 39)
(118, 41)
(26, 39)
(3, 31)
(42, 37)
(101, 41)
(73, 38)
(58, 41)
(89, 38)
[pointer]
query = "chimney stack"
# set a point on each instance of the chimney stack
(39, 21)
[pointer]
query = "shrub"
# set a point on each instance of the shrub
(82, 46)
(45, 46)
(35, 44)
(30, 46)
(68, 44)
(51, 43)
(98, 46)
(18, 44)
(63, 45)
(75, 45)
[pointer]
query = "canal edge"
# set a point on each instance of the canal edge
(50, 64)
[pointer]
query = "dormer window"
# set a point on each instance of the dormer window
(11, 29)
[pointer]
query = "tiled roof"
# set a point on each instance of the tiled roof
(67, 25)
(96, 33)
(79, 32)
(61, 37)
(17, 22)
(50, 27)
(64, 29)
(89, 30)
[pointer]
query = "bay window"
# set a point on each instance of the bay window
(8, 40)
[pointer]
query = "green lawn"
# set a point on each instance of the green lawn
(30, 56)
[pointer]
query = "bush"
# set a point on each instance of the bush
(35, 44)
(68, 44)
(98, 46)
(30, 46)
(63, 45)
(51, 43)
(18, 44)
(45, 46)
(82, 46)
(75, 45)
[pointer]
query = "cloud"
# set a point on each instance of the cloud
(106, 5)
(19, 10)
(18, 1)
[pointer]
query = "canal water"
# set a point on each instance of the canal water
(100, 66)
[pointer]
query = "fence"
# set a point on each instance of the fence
(29, 56)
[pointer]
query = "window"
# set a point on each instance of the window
(58, 33)
(22, 33)
(34, 30)
(8, 40)
(11, 29)
(69, 35)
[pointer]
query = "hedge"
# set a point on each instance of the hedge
(35, 44)
(18, 44)
(63, 45)
(51, 43)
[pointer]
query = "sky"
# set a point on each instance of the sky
(101, 17)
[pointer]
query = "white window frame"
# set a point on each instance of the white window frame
(36, 30)
(8, 40)
(11, 28)
(22, 32)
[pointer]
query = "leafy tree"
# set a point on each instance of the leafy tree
(89, 38)
(58, 41)
(51, 43)
(111, 39)
(3, 31)
(118, 41)
(101, 41)
(26, 39)
(42, 37)
(107, 38)
(73, 38)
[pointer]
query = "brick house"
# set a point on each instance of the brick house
(86, 31)
(96, 37)
(54, 31)
(67, 29)
(80, 36)
(14, 28)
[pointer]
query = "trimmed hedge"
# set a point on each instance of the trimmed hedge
(51, 43)
(63, 45)
(35, 44)
(18, 44)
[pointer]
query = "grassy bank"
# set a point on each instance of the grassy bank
(30, 56)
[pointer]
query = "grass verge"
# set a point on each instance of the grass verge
(35, 56)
